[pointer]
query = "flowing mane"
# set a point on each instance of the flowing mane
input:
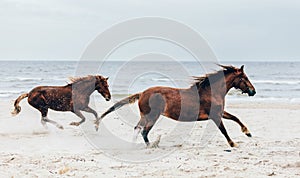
(80, 79)
(212, 77)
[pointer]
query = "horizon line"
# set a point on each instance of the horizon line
(122, 60)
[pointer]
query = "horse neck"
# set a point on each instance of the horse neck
(84, 87)
(229, 78)
(221, 86)
(225, 83)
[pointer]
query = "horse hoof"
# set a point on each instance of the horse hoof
(232, 144)
(96, 127)
(96, 121)
(61, 127)
(249, 134)
(74, 123)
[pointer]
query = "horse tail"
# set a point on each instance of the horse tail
(16, 104)
(129, 100)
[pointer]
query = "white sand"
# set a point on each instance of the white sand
(29, 150)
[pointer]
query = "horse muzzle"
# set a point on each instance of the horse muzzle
(251, 92)
(107, 98)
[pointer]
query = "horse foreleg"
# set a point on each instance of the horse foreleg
(97, 121)
(79, 114)
(90, 110)
(220, 125)
(229, 116)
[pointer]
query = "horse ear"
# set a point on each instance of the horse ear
(242, 68)
(98, 78)
(107, 78)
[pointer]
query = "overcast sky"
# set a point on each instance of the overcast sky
(260, 30)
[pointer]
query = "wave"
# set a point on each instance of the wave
(21, 79)
(161, 79)
(31, 79)
(5, 95)
(276, 82)
(10, 94)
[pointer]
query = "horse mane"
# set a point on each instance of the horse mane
(212, 77)
(74, 80)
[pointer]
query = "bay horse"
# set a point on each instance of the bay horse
(72, 97)
(204, 100)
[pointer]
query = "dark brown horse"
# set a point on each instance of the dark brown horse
(73, 97)
(204, 100)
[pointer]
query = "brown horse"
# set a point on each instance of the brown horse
(73, 97)
(204, 100)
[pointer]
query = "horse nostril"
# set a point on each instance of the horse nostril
(252, 92)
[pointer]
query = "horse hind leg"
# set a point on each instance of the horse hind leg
(145, 133)
(44, 123)
(138, 129)
(44, 120)
(44, 117)
(144, 126)
(244, 129)
(136, 132)
(37, 100)
(150, 110)
(150, 121)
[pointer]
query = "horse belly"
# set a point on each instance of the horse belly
(184, 112)
(60, 105)
(59, 102)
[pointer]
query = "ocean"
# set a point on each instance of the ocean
(274, 81)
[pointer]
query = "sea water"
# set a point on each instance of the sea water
(272, 80)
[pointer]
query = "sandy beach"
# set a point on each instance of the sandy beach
(30, 150)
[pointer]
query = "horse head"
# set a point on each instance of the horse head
(242, 82)
(101, 86)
